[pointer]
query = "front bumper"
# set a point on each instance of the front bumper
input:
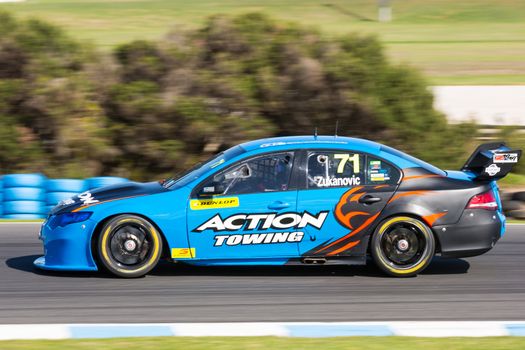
(67, 248)
(476, 232)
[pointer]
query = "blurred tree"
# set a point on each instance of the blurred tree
(156, 107)
(47, 103)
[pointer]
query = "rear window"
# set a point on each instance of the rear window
(415, 160)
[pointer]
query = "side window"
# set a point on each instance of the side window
(379, 172)
(334, 169)
(268, 173)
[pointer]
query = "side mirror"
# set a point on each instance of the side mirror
(211, 189)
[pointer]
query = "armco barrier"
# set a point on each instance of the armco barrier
(32, 196)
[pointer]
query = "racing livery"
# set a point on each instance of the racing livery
(292, 200)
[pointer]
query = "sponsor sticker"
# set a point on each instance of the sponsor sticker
(505, 158)
(241, 223)
(258, 238)
(214, 203)
(346, 158)
(263, 221)
(66, 202)
(492, 169)
(186, 253)
(333, 181)
(87, 198)
(375, 164)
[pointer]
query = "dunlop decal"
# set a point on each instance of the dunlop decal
(214, 203)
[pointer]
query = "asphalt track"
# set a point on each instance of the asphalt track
(488, 287)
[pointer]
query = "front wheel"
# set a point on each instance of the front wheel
(402, 246)
(129, 246)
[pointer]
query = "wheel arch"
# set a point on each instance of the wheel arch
(409, 214)
(98, 230)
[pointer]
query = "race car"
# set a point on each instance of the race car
(305, 200)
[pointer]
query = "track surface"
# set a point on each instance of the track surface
(489, 287)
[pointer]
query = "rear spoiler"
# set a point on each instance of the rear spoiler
(492, 161)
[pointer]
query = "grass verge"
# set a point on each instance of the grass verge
(255, 343)
(453, 42)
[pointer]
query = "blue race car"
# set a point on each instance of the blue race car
(287, 201)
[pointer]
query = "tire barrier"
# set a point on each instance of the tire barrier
(513, 204)
(32, 196)
(66, 185)
(96, 182)
(24, 180)
(23, 216)
(24, 207)
(24, 194)
(61, 189)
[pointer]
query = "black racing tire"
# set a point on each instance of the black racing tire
(517, 214)
(518, 196)
(509, 206)
(129, 246)
(402, 246)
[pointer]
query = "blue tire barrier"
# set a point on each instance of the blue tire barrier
(24, 207)
(24, 216)
(95, 182)
(54, 197)
(24, 194)
(1, 197)
(24, 180)
(48, 208)
(66, 185)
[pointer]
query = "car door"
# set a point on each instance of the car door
(353, 188)
(250, 214)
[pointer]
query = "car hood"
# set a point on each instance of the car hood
(107, 194)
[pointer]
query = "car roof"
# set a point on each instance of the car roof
(397, 157)
(313, 141)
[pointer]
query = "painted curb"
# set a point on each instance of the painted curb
(279, 329)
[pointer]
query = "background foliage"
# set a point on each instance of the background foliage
(151, 108)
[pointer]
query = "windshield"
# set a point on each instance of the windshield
(185, 177)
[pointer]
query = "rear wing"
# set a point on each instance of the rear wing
(492, 161)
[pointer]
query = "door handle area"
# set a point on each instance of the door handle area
(368, 199)
(278, 205)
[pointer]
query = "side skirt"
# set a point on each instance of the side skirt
(304, 261)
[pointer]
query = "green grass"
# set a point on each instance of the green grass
(453, 42)
(256, 343)
(512, 181)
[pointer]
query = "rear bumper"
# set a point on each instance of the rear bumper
(476, 232)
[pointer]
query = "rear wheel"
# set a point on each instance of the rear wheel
(402, 246)
(129, 246)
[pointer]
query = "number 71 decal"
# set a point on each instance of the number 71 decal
(344, 158)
